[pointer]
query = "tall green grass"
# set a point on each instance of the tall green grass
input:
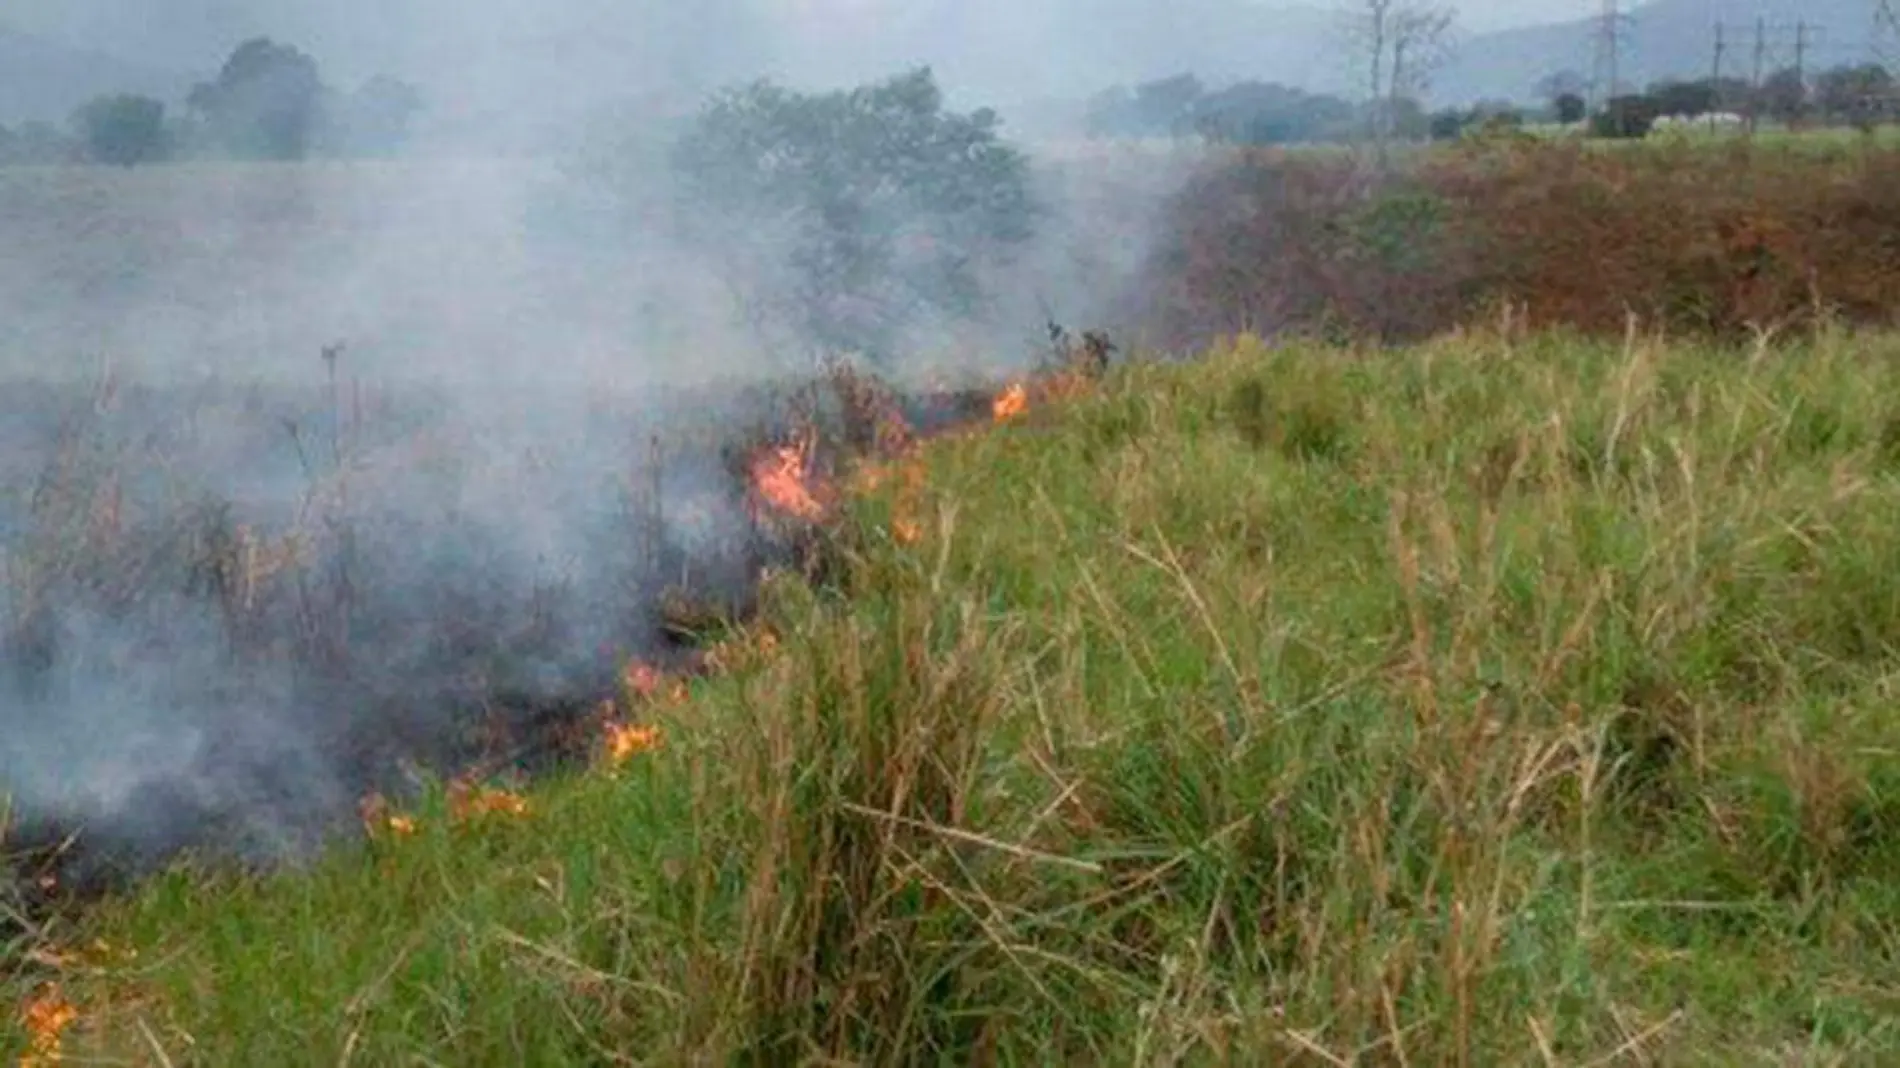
(1500, 701)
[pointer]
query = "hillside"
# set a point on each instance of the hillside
(1505, 701)
(1664, 38)
(1015, 51)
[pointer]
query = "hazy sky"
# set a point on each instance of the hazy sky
(1498, 14)
(172, 19)
(480, 57)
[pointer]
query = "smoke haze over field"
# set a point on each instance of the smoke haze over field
(241, 580)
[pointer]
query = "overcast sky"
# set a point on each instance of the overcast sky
(1499, 14)
(176, 18)
(496, 54)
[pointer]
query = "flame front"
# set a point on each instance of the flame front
(782, 476)
(625, 741)
(1010, 403)
(466, 803)
(46, 1018)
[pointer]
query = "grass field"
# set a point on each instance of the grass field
(1500, 701)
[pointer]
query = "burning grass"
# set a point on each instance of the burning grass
(1508, 700)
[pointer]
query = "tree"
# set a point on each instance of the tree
(1165, 106)
(1566, 82)
(1627, 116)
(265, 103)
(123, 130)
(1862, 95)
(1404, 42)
(1265, 113)
(1566, 92)
(1161, 108)
(850, 216)
(1447, 124)
(1783, 96)
(1688, 98)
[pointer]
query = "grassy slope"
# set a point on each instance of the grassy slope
(1494, 702)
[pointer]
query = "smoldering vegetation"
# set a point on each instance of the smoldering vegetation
(321, 479)
(232, 612)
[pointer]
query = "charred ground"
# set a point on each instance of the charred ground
(378, 587)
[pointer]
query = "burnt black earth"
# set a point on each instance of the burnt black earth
(231, 611)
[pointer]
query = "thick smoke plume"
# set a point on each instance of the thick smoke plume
(316, 475)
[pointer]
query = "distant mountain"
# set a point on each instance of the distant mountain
(1009, 50)
(1661, 39)
(46, 79)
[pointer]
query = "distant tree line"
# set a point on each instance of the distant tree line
(1244, 113)
(268, 102)
(1266, 113)
(1857, 95)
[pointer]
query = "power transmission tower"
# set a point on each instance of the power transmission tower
(1803, 37)
(1612, 26)
(1715, 72)
(1776, 47)
(1754, 81)
(1885, 40)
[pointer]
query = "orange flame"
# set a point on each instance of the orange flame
(377, 817)
(46, 1016)
(466, 803)
(1010, 403)
(781, 475)
(625, 741)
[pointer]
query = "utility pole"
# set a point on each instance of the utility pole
(1801, 72)
(1775, 45)
(1754, 82)
(1715, 74)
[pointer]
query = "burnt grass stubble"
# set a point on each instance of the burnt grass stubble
(388, 669)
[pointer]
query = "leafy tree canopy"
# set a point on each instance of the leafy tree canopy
(877, 207)
(123, 130)
(266, 102)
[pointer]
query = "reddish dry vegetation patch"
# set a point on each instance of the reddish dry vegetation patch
(1715, 239)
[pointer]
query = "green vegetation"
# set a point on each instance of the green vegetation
(855, 213)
(123, 130)
(1503, 700)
